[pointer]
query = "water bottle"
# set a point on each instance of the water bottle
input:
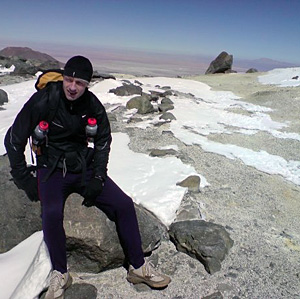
(91, 128)
(40, 132)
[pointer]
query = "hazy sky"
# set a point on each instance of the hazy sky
(245, 28)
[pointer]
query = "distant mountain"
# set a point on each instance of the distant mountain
(26, 53)
(262, 64)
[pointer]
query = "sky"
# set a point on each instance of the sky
(247, 29)
(152, 182)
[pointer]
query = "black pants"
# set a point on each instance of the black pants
(112, 201)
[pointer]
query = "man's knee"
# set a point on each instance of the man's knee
(52, 215)
(126, 204)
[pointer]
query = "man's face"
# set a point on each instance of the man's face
(73, 87)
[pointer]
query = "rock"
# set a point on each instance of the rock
(3, 97)
(251, 70)
(92, 241)
(81, 291)
(127, 90)
(155, 93)
(221, 64)
(217, 295)
(190, 209)
(141, 103)
(29, 66)
(165, 107)
(167, 116)
(167, 93)
(192, 183)
(163, 152)
(78, 291)
(20, 217)
(208, 242)
(230, 71)
(167, 101)
(97, 75)
(138, 82)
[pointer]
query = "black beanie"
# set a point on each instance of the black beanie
(79, 67)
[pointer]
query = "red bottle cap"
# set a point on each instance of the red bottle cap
(92, 121)
(43, 125)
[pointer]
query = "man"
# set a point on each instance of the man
(66, 165)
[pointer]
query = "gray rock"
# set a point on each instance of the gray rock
(3, 97)
(251, 70)
(81, 291)
(78, 291)
(155, 93)
(221, 64)
(127, 90)
(98, 75)
(26, 66)
(190, 209)
(208, 242)
(167, 101)
(167, 93)
(92, 241)
(163, 152)
(20, 217)
(192, 183)
(141, 103)
(217, 295)
(138, 82)
(167, 116)
(165, 107)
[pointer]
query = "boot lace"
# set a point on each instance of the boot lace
(150, 270)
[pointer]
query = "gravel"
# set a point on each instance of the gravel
(260, 211)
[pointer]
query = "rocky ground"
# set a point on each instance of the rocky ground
(260, 211)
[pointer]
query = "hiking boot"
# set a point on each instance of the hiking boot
(58, 284)
(148, 275)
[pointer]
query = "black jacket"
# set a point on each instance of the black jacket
(66, 136)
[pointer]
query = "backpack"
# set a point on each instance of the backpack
(52, 75)
(47, 77)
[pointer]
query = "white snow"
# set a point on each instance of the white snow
(282, 77)
(151, 181)
(5, 70)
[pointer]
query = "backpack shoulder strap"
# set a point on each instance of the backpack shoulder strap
(49, 104)
(54, 98)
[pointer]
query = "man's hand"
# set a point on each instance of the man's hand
(92, 191)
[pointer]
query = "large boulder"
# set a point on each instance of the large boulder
(208, 242)
(222, 64)
(20, 217)
(92, 241)
(141, 103)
